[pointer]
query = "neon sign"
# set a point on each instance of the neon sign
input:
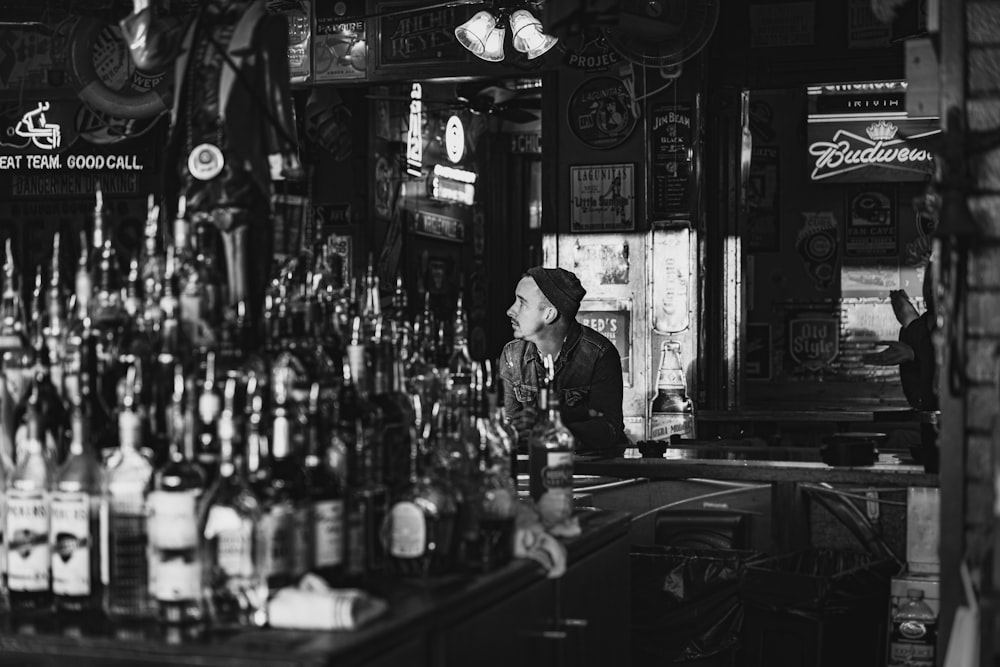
(454, 139)
(856, 146)
(446, 189)
(414, 133)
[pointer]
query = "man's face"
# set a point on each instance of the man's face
(527, 313)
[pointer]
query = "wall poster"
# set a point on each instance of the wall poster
(671, 150)
(340, 46)
(601, 112)
(870, 229)
(613, 319)
(602, 198)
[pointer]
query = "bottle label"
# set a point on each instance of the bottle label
(912, 642)
(409, 531)
(209, 406)
(28, 557)
(328, 532)
(173, 520)
(662, 425)
(558, 471)
(174, 575)
(234, 541)
(277, 530)
(357, 547)
(71, 543)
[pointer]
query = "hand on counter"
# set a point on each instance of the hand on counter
(895, 353)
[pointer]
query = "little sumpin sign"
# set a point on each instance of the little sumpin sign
(845, 151)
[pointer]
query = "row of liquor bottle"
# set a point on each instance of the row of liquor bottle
(167, 463)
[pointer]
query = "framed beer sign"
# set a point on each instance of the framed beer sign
(861, 132)
(613, 319)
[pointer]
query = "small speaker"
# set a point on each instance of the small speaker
(702, 529)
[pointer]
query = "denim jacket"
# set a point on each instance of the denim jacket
(588, 379)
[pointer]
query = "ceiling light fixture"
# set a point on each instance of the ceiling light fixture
(484, 34)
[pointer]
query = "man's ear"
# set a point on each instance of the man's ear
(551, 314)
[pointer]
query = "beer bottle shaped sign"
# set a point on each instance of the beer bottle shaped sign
(671, 411)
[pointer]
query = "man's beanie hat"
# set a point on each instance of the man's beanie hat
(561, 287)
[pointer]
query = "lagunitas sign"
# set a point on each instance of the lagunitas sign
(813, 343)
(851, 151)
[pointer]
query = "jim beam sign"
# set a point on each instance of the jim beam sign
(853, 151)
(813, 343)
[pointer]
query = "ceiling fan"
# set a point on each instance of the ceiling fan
(497, 98)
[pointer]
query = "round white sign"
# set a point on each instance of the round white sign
(454, 139)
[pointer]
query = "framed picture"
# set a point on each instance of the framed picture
(613, 319)
(602, 197)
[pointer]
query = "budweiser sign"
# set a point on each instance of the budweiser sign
(870, 150)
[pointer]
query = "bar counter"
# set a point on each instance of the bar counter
(514, 615)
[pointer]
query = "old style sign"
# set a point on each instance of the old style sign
(813, 343)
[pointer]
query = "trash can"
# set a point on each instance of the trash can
(686, 607)
(815, 608)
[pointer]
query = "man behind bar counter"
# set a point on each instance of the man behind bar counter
(588, 368)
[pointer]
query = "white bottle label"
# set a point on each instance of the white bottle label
(28, 546)
(71, 543)
(328, 532)
(662, 425)
(174, 575)
(172, 521)
(234, 541)
(409, 531)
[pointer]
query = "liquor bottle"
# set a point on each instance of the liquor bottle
(325, 488)
(237, 589)
(27, 509)
(79, 524)
(17, 358)
(152, 263)
(258, 447)
(550, 457)
(420, 530)
(50, 404)
(460, 367)
(56, 324)
(209, 408)
(396, 410)
(670, 411)
(283, 524)
(492, 500)
(106, 308)
(913, 633)
(128, 478)
(173, 521)
(366, 498)
(426, 341)
(200, 298)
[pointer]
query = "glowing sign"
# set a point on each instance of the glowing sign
(454, 174)
(414, 133)
(856, 146)
(33, 126)
(454, 139)
(446, 189)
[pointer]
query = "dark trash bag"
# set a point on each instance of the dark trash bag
(816, 608)
(685, 604)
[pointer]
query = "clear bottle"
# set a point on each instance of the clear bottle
(56, 323)
(281, 527)
(173, 522)
(913, 636)
(460, 365)
(209, 409)
(128, 478)
(367, 499)
(325, 488)
(79, 524)
(420, 527)
(17, 358)
(28, 506)
(671, 412)
(236, 588)
(550, 457)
